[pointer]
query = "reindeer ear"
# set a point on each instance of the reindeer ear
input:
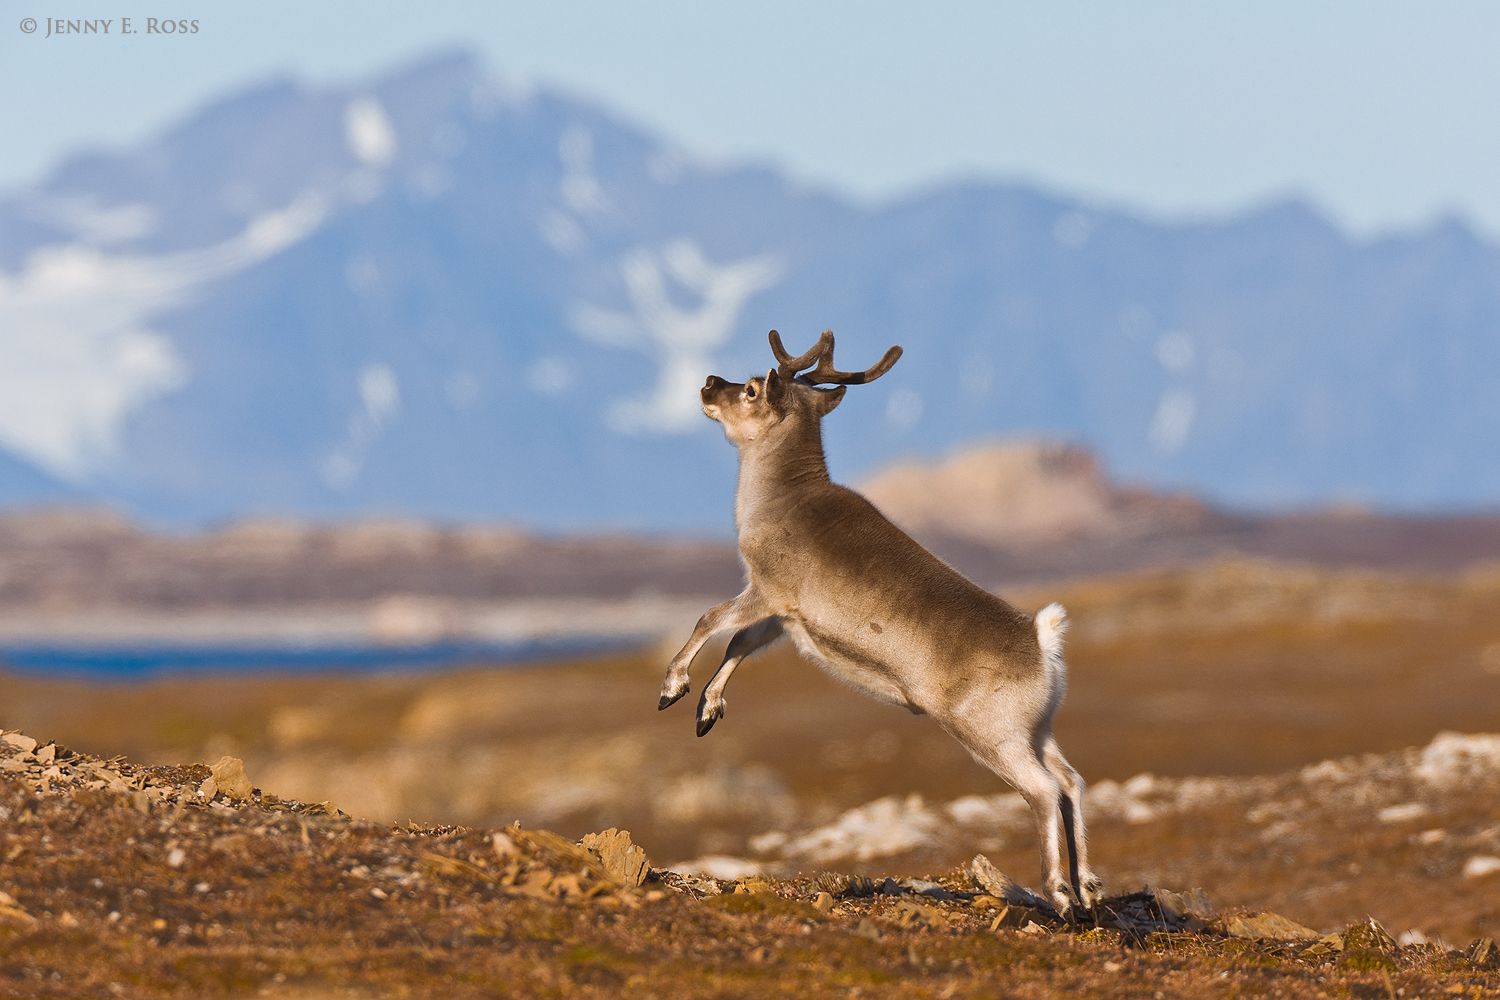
(775, 388)
(827, 399)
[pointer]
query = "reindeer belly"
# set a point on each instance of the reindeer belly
(842, 660)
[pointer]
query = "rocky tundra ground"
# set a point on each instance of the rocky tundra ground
(122, 880)
(1293, 778)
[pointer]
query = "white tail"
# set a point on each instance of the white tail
(1051, 626)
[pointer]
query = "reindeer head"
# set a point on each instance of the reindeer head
(787, 393)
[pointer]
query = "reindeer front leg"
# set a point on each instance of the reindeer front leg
(746, 609)
(746, 641)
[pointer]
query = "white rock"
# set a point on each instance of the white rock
(719, 866)
(768, 842)
(1402, 813)
(1481, 865)
(988, 810)
(875, 830)
(505, 847)
(1451, 757)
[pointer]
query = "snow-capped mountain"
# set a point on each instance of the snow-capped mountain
(439, 295)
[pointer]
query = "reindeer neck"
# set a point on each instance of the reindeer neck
(776, 469)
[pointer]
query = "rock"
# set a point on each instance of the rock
(910, 913)
(1328, 944)
(823, 902)
(1265, 926)
(12, 911)
(1368, 947)
(208, 790)
(1481, 865)
(1179, 907)
(1198, 903)
(1369, 937)
(505, 848)
(754, 884)
(1482, 953)
(623, 859)
(47, 754)
(698, 886)
(995, 882)
(1016, 918)
(1173, 904)
(229, 773)
(718, 866)
(984, 901)
(17, 742)
(1402, 813)
(924, 887)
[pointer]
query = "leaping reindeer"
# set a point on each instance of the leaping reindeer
(869, 605)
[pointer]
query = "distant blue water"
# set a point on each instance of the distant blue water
(146, 660)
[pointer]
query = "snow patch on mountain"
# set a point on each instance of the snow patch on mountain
(580, 187)
(680, 339)
(75, 330)
(550, 376)
(369, 132)
(380, 400)
(1173, 420)
(562, 233)
(91, 222)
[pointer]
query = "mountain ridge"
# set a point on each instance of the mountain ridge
(428, 294)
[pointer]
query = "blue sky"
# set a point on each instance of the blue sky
(1382, 113)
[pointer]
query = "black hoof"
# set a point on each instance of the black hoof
(704, 725)
(666, 702)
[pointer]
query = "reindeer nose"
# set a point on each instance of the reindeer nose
(713, 382)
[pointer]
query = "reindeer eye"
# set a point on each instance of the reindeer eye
(751, 390)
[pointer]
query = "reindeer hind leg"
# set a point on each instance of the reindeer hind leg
(1086, 885)
(1018, 762)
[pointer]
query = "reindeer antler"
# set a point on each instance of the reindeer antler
(790, 366)
(824, 373)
